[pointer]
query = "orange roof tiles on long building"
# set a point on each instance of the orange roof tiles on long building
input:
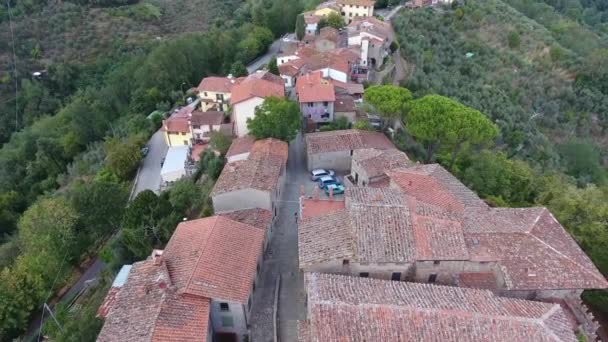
(345, 140)
(214, 257)
(342, 308)
(260, 84)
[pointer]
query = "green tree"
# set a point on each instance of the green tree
(388, 100)
(338, 124)
(514, 39)
(583, 162)
(220, 142)
(363, 125)
(503, 181)
(238, 69)
(442, 124)
(273, 67)
(144, 226)
(275, 118)
(334, 20)
(300, 26)
(122, 156)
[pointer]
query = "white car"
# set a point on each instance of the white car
(318, 173)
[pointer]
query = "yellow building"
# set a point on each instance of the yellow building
(325, 11)
(351, 9)
(214, 92)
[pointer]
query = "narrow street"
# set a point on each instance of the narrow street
(282, 258)
(273, 50)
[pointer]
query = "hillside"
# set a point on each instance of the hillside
(73, 36)
(532, 80)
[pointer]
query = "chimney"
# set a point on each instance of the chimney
(157, 257)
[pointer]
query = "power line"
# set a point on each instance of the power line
(10, 21)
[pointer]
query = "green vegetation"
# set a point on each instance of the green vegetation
(388, 101)
(73, 161)
(446, 126)
(275, 118)
(334, 20)
(273, 67)
(542, 89)
(336, 125)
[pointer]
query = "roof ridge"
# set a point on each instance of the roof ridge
(200, 255)
(452, 312)
(547, 315)
(560, 253)
(162, 304)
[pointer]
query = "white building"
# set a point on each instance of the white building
(174, 167)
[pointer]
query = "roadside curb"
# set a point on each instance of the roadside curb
(275, 308)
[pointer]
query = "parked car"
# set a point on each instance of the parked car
(145, 150)
(325, 180)
(336, 189)
(318, 173)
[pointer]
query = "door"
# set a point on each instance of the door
(396, 276)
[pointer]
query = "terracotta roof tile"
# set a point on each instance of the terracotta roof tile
(260, 84)
(292, 68)
(477, 280)
(433, 184)
(214, 257)
(344, 103)
(213, 118)
(345, 140)
(357, 2)
(149, 308)
(218, 84)
(318, 207)
(377, 162)
(176, 124)
(325, 238)
(256, 217)
(313, 88)
(260, 174)
(240, 145)
(533, 250)
(342, 308)
(270, 148)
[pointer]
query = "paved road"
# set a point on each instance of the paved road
(149, 174)
(282, 258)
(273, 50)
(392, 13)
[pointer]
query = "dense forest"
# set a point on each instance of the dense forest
(65, 173)
(539, 70)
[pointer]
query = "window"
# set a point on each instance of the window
(227, 321)
(351, 152)
(224, 307)
(364, 274)
(205, 93)
(396, 276)
(286, 80)
(432, 278)
(436, 262)
(325, 103)
(345, 262)
(310, 104)
(249, 303)
(350, 14)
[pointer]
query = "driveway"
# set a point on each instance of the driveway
(149, 173)
(273, 50)
(282, 258)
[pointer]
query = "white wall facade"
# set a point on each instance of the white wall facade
(233, 320)
(334, 74)
(349, 12)
(237, 157)
(242, 111)
(289, 80)
(285, 59)
(311, 29)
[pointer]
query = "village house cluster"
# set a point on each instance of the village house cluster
(407, 253)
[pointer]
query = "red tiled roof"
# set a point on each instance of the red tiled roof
(218, 84)
(350, 88)
(213, 118)
(259, 218)
(329, 33)
(311, 18)
(366, 3)
(261, 84)
(176, 124)
(344, 103)
(270, 148)
(259, 174)
(214, 257)
(377, 162)
(149, 308)
(532, 248)
(313, 88)
(240, 145)
(345, 140)
(293, 67)
(343, 308)
(432, 184)
(318, 207)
